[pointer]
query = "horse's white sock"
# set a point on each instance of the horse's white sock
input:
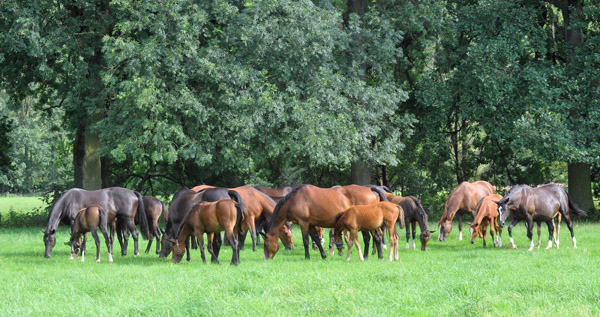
(574, 243)
(460, 236)
(82, 255)
(549, 245)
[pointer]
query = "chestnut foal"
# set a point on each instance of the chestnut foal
(89, 219)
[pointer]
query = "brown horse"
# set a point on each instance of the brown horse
(486, 214)
(413, 214)
(536, 205)
(276, 193)
(369, 218)
(211, 217)
(154, 208)
(259, 208)
(462, 200)
(310, 206)
(89, 219)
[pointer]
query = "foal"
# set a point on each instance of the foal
(369, 218)
(210, 218)
(486, 214)
(89, 219)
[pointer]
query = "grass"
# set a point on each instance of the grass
(452, 278)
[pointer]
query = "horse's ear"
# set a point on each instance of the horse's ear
(470, 224)
(172, 240)
(496, 202)
(44, 231)
(431, 231)
(263, 234)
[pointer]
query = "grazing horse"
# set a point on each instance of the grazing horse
(210, 218)
(182, 203)
(413, 214)
(537, 204)
(89, 219)
(369, 218)
(462, 200)
(259, 207)
(486, 214)
(154, 208)
(310, 206)
(122, 202)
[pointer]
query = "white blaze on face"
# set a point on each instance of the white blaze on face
(471, 231)
(500, 210)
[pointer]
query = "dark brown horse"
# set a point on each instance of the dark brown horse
(537, 204)
(89, 219)
(182, 203)
(310, 206)
(369, 218)
(155, 208)
(210, 218)
(413, 214)
(462, 200)
(122, 202)
(259, 207)
(486, 214)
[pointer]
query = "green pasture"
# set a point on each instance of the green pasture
(452, 278)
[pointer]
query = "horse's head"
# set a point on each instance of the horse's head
(49, 241)
(165, 246)
(474, 230)
(445, 227)
(178, 250)
(504, 210)
(425, 236)
(286, 237)
(271, 246)
(75, 243)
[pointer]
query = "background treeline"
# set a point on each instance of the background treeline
(417, 95)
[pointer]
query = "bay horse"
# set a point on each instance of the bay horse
(369, 218)
(154, 208)
(537, 204)
(413, 214)
(276, 193)
(486, 214)
(124, 203)
(182, 203)
(259, 207)
(210, 218)
(89, 219)
(462, 200)
(309, 207)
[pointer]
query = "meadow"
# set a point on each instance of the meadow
(451, 278)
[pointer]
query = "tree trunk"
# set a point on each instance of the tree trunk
(361, 173)
(78, 156)
(580, 186)
(92, 179)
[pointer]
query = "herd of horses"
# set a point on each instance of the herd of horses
(270, 212)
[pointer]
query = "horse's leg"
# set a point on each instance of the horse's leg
(492, 233)
(97, 242)
(123, 236)
(252, 230)
(108, 245)
(306, 242)
(414, 233)
(529, 225)
(149, 242)
(83, 243)
(557, 231)
(391, 253)
(217, 243)
(158, 234)
(134, 235)
(315, 237)
(539, 233)
(382, 237)
(378, 237)
(510, 238)
(570, 226)
(200, 237)
(459, 226)
(233, 240)
(484, 226)
(550, 224)
(354, 237)
(367, 239)
(187, 248)
(331, 239)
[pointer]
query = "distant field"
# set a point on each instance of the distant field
(452, 278)
(20, 203)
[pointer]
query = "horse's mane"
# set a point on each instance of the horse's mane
(513, 190)
(420, 208)
(280, 204)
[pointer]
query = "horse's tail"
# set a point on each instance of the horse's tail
(379, 192)
(574, 208)
(141, 214)
(241, 215)
(239, 202)
(401, 216)
(165, 211)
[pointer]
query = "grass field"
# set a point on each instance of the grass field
(453, 278)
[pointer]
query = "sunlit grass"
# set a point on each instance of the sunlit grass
(452, 278)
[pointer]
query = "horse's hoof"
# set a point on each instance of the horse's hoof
(98, 261)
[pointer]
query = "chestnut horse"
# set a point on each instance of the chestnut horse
(124, 203)
(210, 218)
(486, 214)
(413, 214)
(154, 208)
(259, 207)
(462, 200)
(537, 204)
(310, 206)
(182, 203)
(89, 219)
(369, 218)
